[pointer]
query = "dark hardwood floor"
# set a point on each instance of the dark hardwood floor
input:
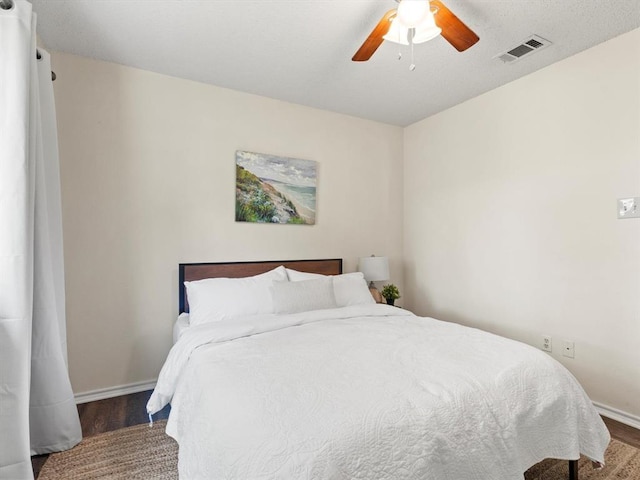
(128, 410)
(623, 432)
(107, 415)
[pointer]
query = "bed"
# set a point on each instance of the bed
(306, 378)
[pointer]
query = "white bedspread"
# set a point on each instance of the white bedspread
(368, 392)
(182, 324)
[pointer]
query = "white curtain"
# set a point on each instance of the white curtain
(37, 409)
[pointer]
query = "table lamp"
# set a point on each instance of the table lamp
(374, 269)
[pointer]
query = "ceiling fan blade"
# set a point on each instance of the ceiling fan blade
(453, 30)
(374, 40)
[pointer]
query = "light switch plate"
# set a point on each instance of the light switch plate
(629, 207)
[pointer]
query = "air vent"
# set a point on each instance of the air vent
(530, 45)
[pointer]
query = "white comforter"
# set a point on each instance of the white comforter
(368, 392)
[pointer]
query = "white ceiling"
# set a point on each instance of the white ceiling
(300, 50)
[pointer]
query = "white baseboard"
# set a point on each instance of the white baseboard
(619, 415)
(110, 392)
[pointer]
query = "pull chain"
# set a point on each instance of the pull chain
(412, 33)
(399, 45)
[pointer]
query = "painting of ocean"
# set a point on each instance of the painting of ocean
(273, 189)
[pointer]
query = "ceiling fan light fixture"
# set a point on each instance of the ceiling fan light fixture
(419, 30)
(412, 13)
(427, 30)
(397, 33)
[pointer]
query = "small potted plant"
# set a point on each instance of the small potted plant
(390, 293)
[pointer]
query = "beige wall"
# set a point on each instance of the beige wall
(510, 215)
(508, 218)
(148, 181)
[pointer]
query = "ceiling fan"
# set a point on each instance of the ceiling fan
(416, 21)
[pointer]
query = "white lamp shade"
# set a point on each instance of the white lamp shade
(375, 269)
(397, 33)
(412, 13)
(426, 30)
(423, 32)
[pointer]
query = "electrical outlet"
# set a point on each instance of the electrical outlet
(546, 343)
(568, 348)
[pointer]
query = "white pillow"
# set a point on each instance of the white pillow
(296, 276)
(351, 289)
(303, 296)
(215, 299)
(348, 288)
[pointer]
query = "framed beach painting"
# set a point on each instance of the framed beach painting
(273, 189)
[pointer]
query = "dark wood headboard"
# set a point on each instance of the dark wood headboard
(188, 272)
